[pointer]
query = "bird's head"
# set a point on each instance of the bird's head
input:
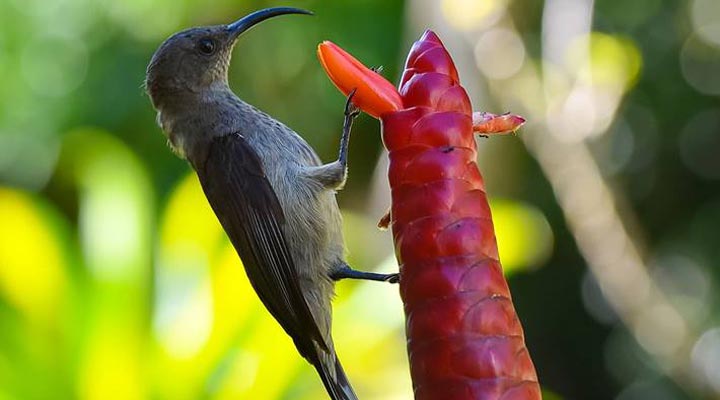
(197, 59)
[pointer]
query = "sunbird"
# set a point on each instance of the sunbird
(270, 191)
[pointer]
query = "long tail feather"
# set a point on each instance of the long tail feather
(334, 378)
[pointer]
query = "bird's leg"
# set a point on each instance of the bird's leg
(333, 175)
(345, 272)
(351, 112)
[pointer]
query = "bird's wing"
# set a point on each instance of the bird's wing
(234, 182)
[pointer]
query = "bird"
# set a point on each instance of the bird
(272, 194)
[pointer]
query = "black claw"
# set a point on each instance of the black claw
(351, 110)
(393, 278)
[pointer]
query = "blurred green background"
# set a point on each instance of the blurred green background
(116, 281)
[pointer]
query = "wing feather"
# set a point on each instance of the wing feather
(244, 201)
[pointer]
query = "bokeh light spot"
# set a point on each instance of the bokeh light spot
(660, 330)
(116, 204)
(190, 237)
(616, 149)
(594, 300)
(472, 14)
(613, 60)
(184, 333)
(54, 66)
(646, 390)
(686, 283)
(700, 64)
(699, 143)
(705, 16)
(500, 53)
(706, 357)
(523, 234)
(29, 155)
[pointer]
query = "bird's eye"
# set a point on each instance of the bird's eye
(206, 46)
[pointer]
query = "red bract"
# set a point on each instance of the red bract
(464, 338)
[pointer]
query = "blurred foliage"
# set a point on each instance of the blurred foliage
(117, 282)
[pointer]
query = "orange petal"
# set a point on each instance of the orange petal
(488, 124)
(375, 95)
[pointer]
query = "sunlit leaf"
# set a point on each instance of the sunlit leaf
(190, 236)
(32, 264)
(204, 299)
(115, 213)
(112, 367)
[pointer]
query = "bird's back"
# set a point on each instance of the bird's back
(314, 223)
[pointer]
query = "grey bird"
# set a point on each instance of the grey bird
(271, 193)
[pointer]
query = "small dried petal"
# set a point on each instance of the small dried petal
(492, 124)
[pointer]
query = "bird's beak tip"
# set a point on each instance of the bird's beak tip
(243, 24)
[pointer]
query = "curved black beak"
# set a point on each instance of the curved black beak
(243, 24)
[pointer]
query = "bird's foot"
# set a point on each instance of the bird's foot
(345, 272)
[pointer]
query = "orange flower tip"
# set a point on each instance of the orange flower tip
(374, 94)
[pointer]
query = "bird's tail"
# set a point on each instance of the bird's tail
(334, 378)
